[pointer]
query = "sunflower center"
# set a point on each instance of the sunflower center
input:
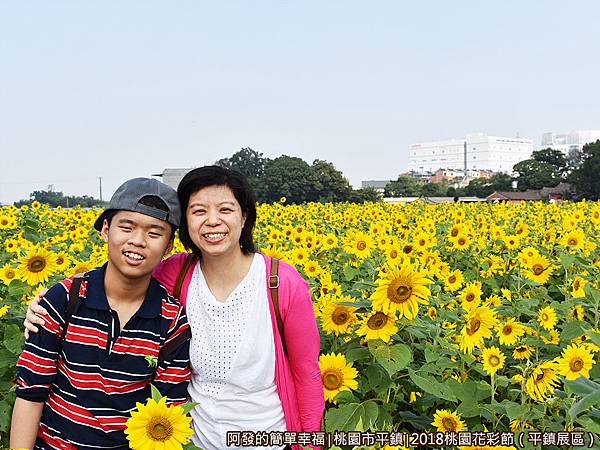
(407, 249)
(576, 285)
(361, 245)
(507, 330)
(572, 241)
(377, 321)
(449, 423)
(340, 316)
(544, 317)
(159, 428)
(462, 241)
(422, 242)
(398, 292)
(470, 297)
(393, 254)
(36, 264)
(60, 260)
(540, 376)
(576, 364)
(332, 380)
(494, 361)
(475, 325)
(452, 279)
(10, 274)
(454, 232)
(537, 269)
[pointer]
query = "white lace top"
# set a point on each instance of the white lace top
(232, 354)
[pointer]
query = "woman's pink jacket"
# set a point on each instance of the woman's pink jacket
(298, 378)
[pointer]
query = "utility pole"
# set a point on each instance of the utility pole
(100, 179)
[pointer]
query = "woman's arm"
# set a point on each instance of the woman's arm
(25, 423)
(303, 345)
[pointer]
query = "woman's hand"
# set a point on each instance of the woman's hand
(32, 318)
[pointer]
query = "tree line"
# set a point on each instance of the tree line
(296, 180)
(293, 178)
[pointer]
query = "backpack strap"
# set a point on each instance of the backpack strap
(274, 288)
(173, 345)
(72, 301)
(190, 260)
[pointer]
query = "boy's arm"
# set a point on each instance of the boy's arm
(25, 423)
(173, 374)
(36, 369)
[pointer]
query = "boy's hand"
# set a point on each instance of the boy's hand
(31, 317)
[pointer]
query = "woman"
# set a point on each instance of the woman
(244, 375)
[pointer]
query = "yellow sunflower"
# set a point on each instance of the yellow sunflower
(453, 281)
(378, 325)
(512, 241)
(8, 273)
(401, 289)
(542, 381)
(538, 268)
(523, 351)
(493, 360)
(462, 242)
(577, 287)
(509, 332)
(337, 375)
(359, 244)
(547, 317)
(158, 426)
(575, 361)
(37, 266)
(446, 421)
(479, 324)
(337, 319)
(470, 296)
(574, 238)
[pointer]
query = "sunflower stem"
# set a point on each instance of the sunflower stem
(493, 386)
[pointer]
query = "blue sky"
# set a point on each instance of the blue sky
(120, 89)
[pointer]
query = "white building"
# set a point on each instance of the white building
(567, 142)
(477, 151)
(172, 177)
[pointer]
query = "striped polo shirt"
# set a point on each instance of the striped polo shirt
(91, 381)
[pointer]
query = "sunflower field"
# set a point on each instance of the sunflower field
(450, 317)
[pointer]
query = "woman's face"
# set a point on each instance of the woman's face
(215, 221)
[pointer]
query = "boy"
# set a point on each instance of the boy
(79, 378)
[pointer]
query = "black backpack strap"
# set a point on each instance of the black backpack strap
(72, 301)
(173, 344)
(274, 288)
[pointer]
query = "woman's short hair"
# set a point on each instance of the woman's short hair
(206, 176)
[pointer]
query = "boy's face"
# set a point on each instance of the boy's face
(136, 242)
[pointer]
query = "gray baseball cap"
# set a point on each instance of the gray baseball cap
(127, 198)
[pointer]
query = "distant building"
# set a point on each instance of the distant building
(477, 151)
(172, 177)
(567, 142)
(458, 176)
(377, 185)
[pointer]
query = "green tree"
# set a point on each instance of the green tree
(363, 195)
(289, 177)
(54, 199)
(586, 178)
(434, 190)
(404, 186)
(546, 168)
(330, 184)
(251, 163)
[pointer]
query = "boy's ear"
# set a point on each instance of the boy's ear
(169, 246)
(104, 231)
